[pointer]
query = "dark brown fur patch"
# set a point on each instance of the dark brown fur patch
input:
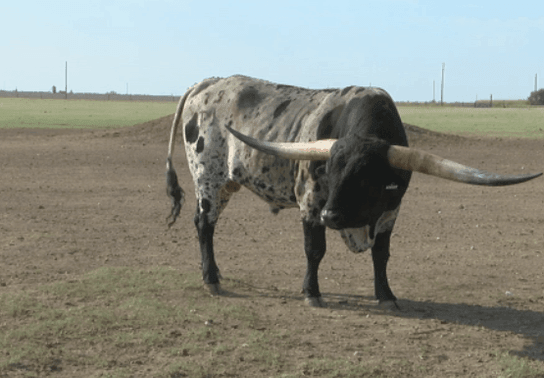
(249, 98)
(232, 187)
(200, 145)
(191, 130)
(281, 108)
(345, 91)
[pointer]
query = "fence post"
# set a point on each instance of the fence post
(442, 89)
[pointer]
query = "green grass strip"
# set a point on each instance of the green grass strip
(76, 114)
(525, 122)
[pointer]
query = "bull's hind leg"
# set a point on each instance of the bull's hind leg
(209, 206)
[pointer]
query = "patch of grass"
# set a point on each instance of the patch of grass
(335, 368)
(114, 320)
(520, 122)
(37, 113)
(516, 367)
(113, 308)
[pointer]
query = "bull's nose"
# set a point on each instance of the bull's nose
(330, 218)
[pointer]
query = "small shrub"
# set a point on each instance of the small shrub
(537, 97)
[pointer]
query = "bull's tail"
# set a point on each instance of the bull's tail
(174, 191)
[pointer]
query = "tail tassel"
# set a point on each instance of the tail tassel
(176, 194)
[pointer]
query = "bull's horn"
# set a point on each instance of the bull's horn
(420, 161)
(316, 150)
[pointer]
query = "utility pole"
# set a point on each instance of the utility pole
(536, 75)
(442, 90)
(433, 94)
(66, 80)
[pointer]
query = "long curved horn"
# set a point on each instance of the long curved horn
(420, 161)
(317, 150)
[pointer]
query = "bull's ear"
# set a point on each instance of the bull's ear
(415, 160)
(316, 150)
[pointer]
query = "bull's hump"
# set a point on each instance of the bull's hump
(267, 110)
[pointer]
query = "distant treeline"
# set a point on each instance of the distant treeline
(475, 104)
(112, 96)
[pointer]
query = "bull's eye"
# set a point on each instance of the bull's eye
(321, 170)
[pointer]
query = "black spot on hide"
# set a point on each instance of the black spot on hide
(281, 108)
(249, 98)
(205, 205)
(324, 129)
(191, 130)
(345, 91)
(201, 87)
(200, 145)
(317, 169)
(282, 86)
(219, 97)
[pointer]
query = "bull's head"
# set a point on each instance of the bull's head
(361, 171)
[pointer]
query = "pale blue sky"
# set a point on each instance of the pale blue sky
(165, 46)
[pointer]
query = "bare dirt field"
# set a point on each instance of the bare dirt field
(467, 264)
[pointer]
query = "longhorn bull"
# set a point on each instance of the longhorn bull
(341, 156)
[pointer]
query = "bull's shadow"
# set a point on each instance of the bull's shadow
(529, 324)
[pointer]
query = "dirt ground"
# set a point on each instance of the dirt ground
(467, 262)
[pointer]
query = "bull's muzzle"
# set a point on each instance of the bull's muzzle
(331, 219)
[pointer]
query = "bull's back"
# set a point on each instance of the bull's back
(265, 111)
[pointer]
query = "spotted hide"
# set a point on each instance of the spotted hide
(355, 186)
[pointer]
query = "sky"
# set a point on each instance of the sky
(162, 47)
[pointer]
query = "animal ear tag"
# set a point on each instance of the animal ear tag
(392, 186)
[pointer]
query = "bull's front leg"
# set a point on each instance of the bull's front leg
(314, 247)
(380, 257)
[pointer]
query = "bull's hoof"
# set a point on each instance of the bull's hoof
(389, 306)
(314, 302)
(214, 289)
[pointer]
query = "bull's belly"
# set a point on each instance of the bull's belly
(278, 197)
(270, 178)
